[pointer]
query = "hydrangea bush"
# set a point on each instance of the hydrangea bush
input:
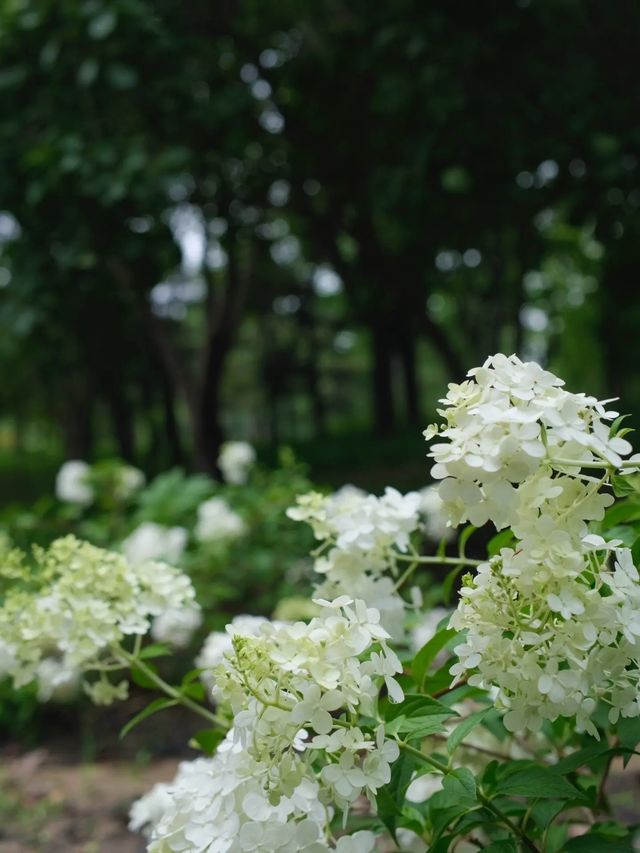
(332, 732)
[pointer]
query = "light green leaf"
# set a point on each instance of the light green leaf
(152, 708)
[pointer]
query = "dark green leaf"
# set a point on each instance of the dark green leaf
(418, 705)
(582, 756)
(425, 657)
(417, 727)
(534, 781)
(208, 739)
(141, 678)
(504, 846)
(462, 729)
(629, 732)
(193, 691)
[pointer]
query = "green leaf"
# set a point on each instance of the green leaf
(457, 798)
(625, 533)
(462, 730)
(191, 676)
(418, 705)
(614, 429)
(581, 757)
(629, 732)
(504, 846)
(622, 512)
(537, 782)
(427, 654)
(193, 691)
(152, 708)
(461, 783)
(623, 486)
(140, 677)
(544, 811)
(416, 727)
(208, 739)
(155, 650)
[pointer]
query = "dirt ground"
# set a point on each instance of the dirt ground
(71, 793)
(48, 807)
(54, 800)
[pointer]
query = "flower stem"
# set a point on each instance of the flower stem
(439, 561)
(161, 684)
(583, 463)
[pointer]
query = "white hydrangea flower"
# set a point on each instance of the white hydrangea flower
(362, 535)
(221, 804)
(73, 483)
(129, 481)
(361, 523)
(56, 682)
(360, 842)
(219, 643)
(549, 624)
(555, 651)
(216, 520)
(436, 520)
(177, 625)
(377, 592)
(501, 426)
(235, 461)
(309, 676)
(151, 541)
(148, 810)
(89, 600)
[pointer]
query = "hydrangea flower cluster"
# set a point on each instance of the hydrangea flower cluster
(235, 460)
(70, 614)
(151, 541)
(220, 643)
(505, 423)
(293, 690)
(548, 621)
(78, 483)
(219, 804)
(216, 520)
(435, 519)
(361, 535)
(73, 483)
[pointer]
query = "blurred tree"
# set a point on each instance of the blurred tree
(174, 170)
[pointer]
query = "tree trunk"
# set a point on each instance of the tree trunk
(122, 423)
(77, 420)
(407, 351)
(382, 378)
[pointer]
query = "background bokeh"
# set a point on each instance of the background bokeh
(294, 222)
(287, 222)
